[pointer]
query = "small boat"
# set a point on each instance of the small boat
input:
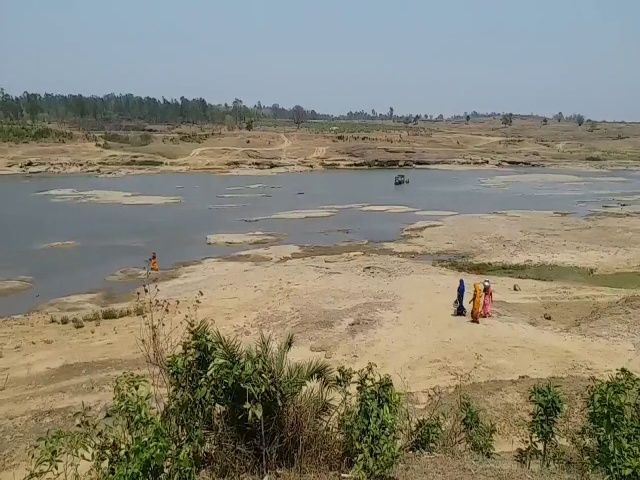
(400, 180)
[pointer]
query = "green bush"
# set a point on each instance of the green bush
(109, 314)
(478, 433)
(426, 435)
(612, 430)
(548, 407)
(134, 445)
(25, 132)
(371, 425)
(267, 411)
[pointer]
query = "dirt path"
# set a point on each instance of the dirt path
(285, 143)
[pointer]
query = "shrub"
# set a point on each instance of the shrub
(612, 430)
(134, 444)
(548, 406)
(77, 322)
(266, 410)
(371, 425)
(109, 314)
(64, 320)
(91, 317)
(478, 433)
(426, 435)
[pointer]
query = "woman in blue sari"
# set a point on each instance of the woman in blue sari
(460, 310)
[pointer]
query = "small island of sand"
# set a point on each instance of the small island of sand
(251, 238)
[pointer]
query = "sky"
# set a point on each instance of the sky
(422, 56)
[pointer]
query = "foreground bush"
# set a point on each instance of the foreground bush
(612, 431)
(218, 407)
(371, 425)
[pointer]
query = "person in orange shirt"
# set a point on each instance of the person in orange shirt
(154, 262)
(477, 301)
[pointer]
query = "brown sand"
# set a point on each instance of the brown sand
(482, 144)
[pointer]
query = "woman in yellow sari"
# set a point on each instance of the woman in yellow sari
(477, 302)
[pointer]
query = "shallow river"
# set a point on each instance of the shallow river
(112, 237)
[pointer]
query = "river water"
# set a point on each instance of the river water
(112, 237)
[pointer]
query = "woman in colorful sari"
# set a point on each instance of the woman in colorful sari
(460, 310)
(487, 300)
(477, 301)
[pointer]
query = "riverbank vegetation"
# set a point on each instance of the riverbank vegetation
(128, 111)
(213, 407)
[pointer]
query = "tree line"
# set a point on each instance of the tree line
(112, 108)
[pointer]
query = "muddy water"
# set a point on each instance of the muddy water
(112, 236)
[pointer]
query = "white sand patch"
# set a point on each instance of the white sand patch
(243, 195)
(277, 252)
(435, 213)
(344, 207)
(502, 180)
(251, 238)
(388, 209)
(9, 287)
(295, 215)
(65, 244)
(228, 205)
(107, 197)
(253, 186)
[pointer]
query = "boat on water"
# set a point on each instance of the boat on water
(400, 180)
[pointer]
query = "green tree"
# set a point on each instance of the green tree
(579, 119)
(299, 115)
(507, 119)
(390, 114)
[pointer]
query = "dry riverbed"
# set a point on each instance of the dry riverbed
(355, 303)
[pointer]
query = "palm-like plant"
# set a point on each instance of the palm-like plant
(270, 407)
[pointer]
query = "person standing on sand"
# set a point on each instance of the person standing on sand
(476, 300)
(460, 310)
(487, 300)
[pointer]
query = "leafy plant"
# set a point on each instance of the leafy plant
(612, 430)
(426, 435)
(548, 406)
(371, 425)
(478, 433)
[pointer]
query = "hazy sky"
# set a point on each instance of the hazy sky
(419, 56)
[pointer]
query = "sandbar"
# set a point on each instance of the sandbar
(242, 195)
(251, 238)
(9, 287)
(107, 197)
(295, 215)
(388, 209)
(64, 244)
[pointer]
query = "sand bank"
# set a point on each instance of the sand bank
(388, 209)
(251, 238)
(295, 215)
(9, 287)
(64, 244)
(108, 197)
